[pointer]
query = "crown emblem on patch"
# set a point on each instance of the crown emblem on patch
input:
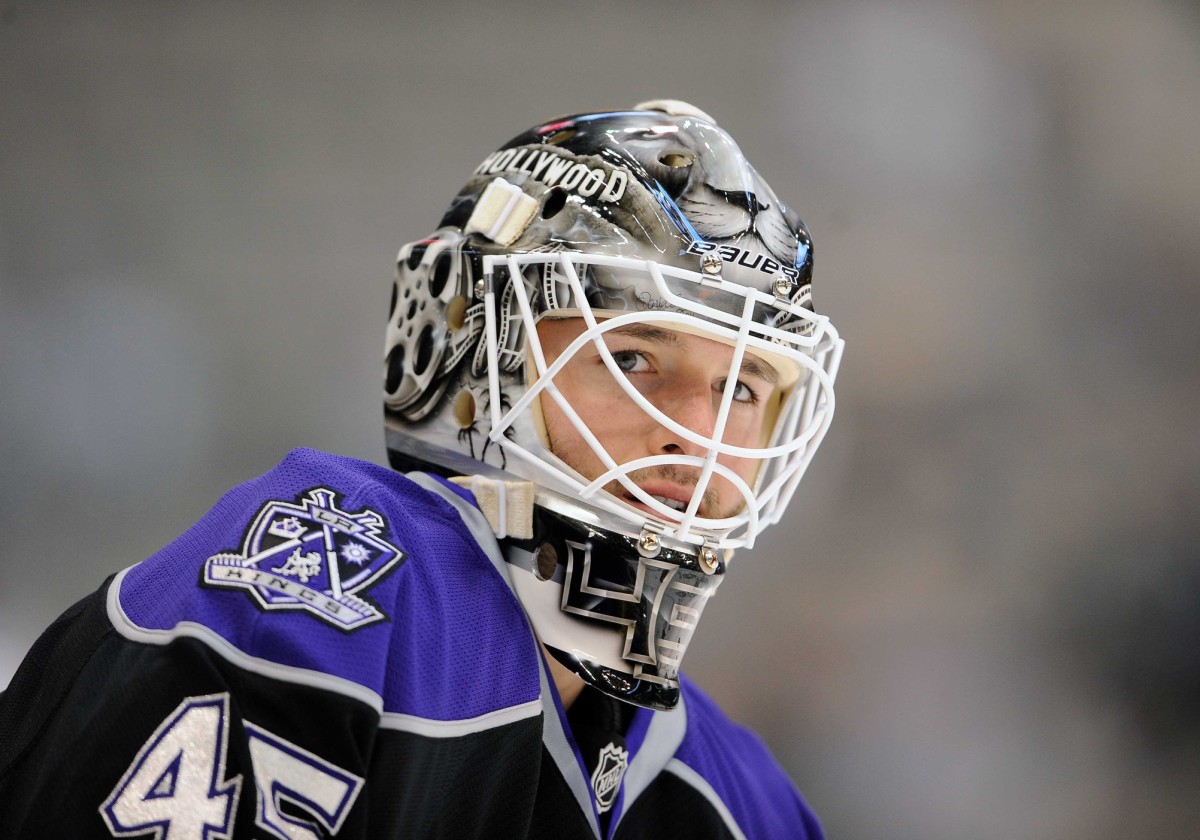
(310, 555)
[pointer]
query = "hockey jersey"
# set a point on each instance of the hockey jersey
(335, 650)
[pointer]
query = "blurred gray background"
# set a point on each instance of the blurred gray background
(981, 620)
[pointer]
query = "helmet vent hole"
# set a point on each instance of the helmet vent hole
(412, 310)
(560, 137)
(677, 158)
(464, 409)
(556, 200)
(395, 368)
(545, 562)
(441, 273)
(424, 350)
(456, 313)
(414, 258)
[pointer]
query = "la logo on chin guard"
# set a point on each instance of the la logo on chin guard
(310, 555)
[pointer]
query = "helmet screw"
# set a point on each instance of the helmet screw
(783, 287)
(649, 544)
(480, 288)
(708, 560)
(710, 264)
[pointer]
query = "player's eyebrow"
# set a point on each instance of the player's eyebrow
(646, 332)
(751, 366)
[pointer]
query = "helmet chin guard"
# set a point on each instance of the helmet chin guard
(614, 612)
(639, 223)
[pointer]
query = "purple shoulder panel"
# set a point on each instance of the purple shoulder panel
(743, 773)
(348, 569)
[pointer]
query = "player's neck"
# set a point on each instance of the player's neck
(567, 682)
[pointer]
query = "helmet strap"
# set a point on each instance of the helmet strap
(507, 505)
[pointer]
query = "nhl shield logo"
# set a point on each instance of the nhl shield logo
(606, 778)
(310, 555)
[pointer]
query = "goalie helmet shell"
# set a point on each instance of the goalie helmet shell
(645, 216)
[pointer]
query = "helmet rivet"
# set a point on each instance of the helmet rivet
(708, 560)
(783, 287)
(480, 288)
(649, 544)
(710, 264)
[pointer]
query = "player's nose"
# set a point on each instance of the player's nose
(693, 405)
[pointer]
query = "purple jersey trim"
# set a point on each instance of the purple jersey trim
(450, 639)
(743, 774)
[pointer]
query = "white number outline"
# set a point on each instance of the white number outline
(275, 762)
(282, 771)
(229, 789)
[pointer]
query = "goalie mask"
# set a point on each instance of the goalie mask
(613, 322)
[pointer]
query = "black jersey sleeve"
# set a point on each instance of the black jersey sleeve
(106, 737)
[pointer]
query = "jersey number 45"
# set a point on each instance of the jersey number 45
(176, 789)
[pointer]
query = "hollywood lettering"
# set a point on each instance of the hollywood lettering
(555, 170)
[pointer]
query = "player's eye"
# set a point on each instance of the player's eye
(742, 392)
(631, 361)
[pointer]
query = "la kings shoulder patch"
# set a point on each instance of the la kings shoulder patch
(310, 555)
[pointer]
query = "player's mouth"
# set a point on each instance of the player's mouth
(671, 503)
(674, 497)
